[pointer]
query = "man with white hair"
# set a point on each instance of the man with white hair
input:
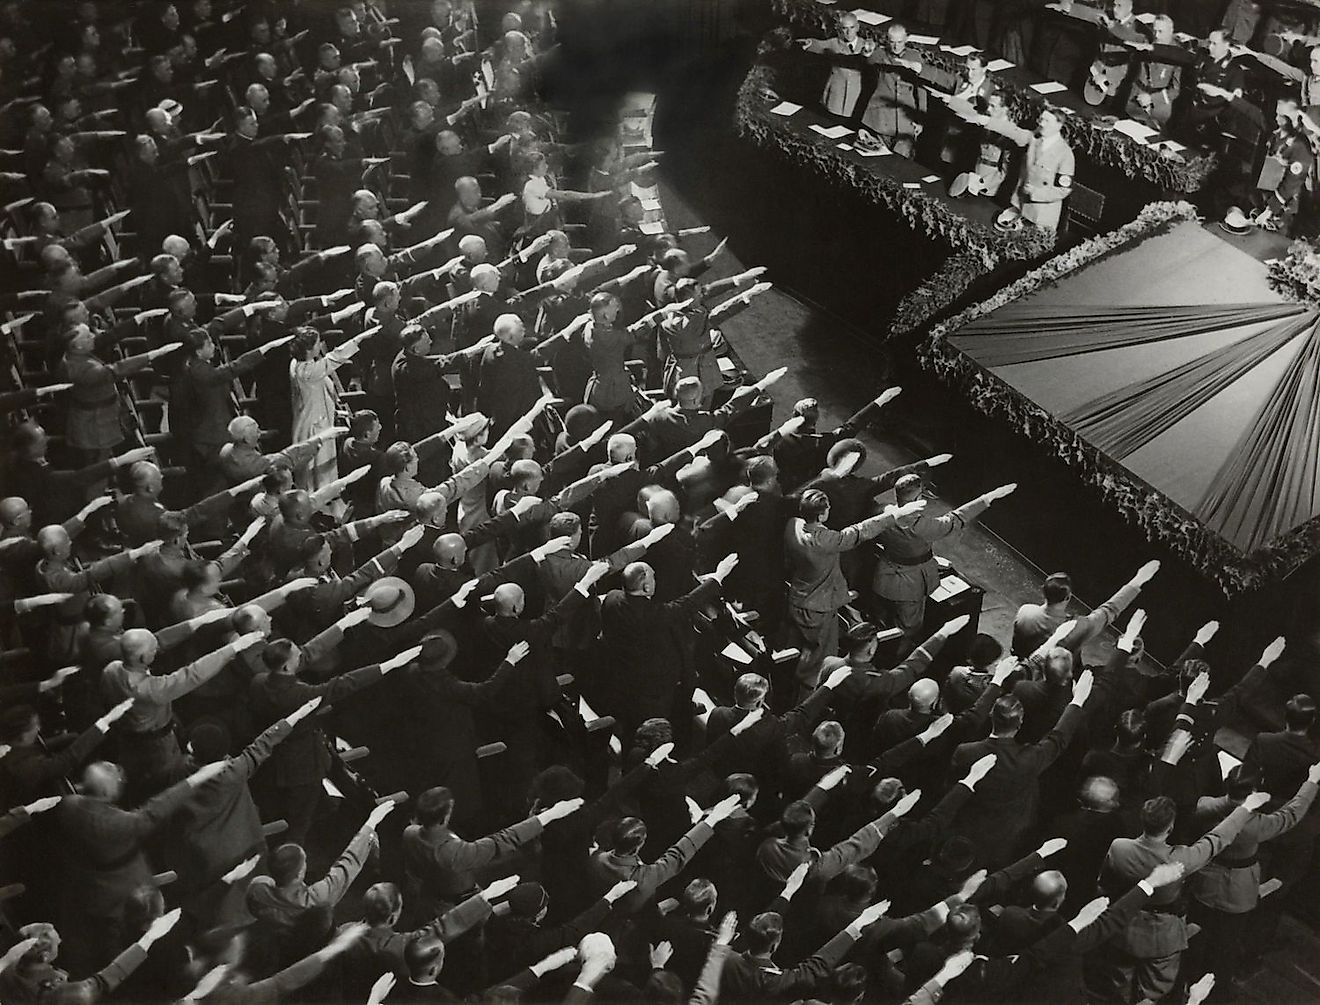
(469, 217)
(241, 458)
(507, 384)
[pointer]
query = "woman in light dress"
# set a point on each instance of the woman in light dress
(315, 397)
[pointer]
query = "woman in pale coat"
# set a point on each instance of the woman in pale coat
(315, 396)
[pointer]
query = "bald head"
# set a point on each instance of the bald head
(147, 479)
(663, 508)
(923, 694)
(622, 448)
(1048, 890)
(449, 550)
(245, 430)
(137, 647)
(639, 579)
(103, 780)
(15, 513)
(509, 328)
(176, 246)
(509, 600)
(54, 541)
(688, 392)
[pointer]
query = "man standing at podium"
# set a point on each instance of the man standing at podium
(907, 572)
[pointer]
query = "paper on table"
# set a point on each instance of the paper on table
(950, 586)
(737, 654)
(845, 146)
(882, 152)
(1171, 145)
(998, 65)
(1135, 130)
(655, 227)
(924, 39)
(652, 204)
(785, 108)
(912, 184)
(1049, 87)
(870, 16)
(833, 132)
(931, 178)
(959, 50)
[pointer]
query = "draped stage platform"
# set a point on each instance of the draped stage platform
(1161, 364)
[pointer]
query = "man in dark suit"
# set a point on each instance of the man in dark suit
(1005, 804)
(643, 641)
(303, 760)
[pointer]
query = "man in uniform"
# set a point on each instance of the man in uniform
(907, 571)
(843, 88)
(1047, 175)
(896, 97)
(1218, 70)
(1150, 949)
(1284, 173)
(1159, 78)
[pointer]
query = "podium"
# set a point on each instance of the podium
(956, 595)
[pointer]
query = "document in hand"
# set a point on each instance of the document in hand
(785, 108)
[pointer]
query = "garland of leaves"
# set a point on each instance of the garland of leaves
(936, 293)
(1188, 172)
(923, 213)
(1155, 514)
(1297, 275)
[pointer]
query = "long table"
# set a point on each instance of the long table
(1088, 131)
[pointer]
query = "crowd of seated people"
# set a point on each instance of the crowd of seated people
(409, 598)
(1237, 81)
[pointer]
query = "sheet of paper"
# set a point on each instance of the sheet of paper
(653, 227)
(331, 789)
(844, 146)
(871, 17)
(832, 132)
(1049, 87)
(652, 205)
(1227, 762)
(736, 654)
(1135, 130)
(924, 39)
(882, 152)
(785, 108)
(1172, 145)
(999, 65)
(645, 191)
(912, 184)
(931, 179)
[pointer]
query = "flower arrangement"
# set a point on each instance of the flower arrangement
(1186, 172)
(936, 293)
(1297, 275)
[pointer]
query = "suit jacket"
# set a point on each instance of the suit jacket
(644, 640)
(1005, 803)
(755, 980)
(1283, 761)
(440, 867)
(103, 848)
(303, 759)
(608, 868)
(220, 822)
